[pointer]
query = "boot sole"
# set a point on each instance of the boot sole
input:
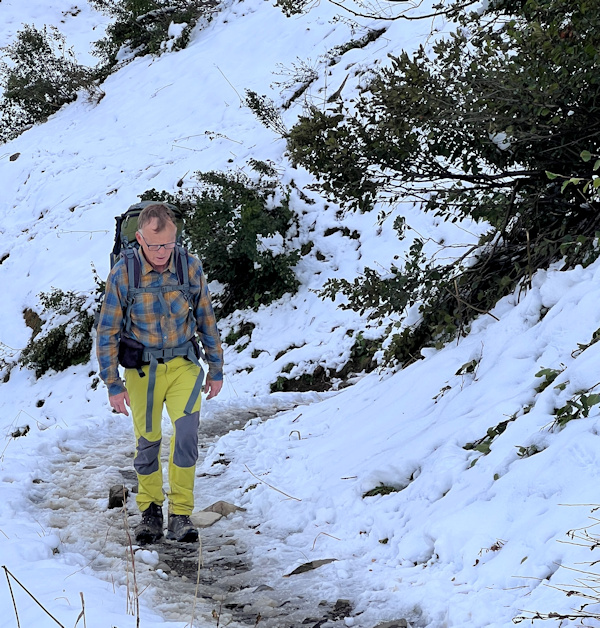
(191, 536)
(146, 538)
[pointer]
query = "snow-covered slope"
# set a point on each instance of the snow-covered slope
(467, 538)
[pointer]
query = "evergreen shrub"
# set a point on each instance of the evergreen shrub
(65, 338)
(141, 27)
(239, 228)
(498, 123)
(38, 75)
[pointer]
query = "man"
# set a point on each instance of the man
(156, 323)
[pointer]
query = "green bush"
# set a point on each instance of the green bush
(142, 26)
(38, 75)
(226, 219)
(65, 338)
(498, 124)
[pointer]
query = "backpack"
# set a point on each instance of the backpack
(126, 246)
(127, 226)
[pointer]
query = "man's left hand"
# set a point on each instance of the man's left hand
(213, 387)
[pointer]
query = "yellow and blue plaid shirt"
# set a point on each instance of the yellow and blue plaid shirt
(149, 323)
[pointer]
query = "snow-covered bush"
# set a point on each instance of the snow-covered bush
(148, 26)
(38, 75)
(239, 227)
(496, 123)
(64, 339)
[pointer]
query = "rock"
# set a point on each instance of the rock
(313, 564)
(205, 519)
(117, 496)
(397, 623)
(223, 508)
(342, 608)
(14, 157)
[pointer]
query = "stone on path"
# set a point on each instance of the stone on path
(223, 508)
(313, 564)
(117, 495)
(205, 519)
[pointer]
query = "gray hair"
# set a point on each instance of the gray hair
(160, 211)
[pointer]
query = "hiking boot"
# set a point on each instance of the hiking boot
(182, 529)
(150, 529)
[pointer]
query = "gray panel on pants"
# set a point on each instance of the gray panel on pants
(146, 461)
(185, 453)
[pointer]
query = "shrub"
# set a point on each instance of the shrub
(38, 75)
(65, 338)
(142, 26)
(239, 227)
(498, 124)
(266, 112)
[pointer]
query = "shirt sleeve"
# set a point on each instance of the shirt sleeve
(109, 332)
(207, 329)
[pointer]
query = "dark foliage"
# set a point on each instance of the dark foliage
(227, 217)
(500, 125)
(38, 75)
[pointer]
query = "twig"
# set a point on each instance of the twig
(136, 597)
(318, 535)
(529, 259)
(8, 573)
(200, 564)
(82, 614)
(270, 486)
(460, 300)
(242, 102)
(401, 16)
(13, 597)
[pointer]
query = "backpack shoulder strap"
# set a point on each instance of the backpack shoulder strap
(181, 265)
(134, 266)
(134, 271)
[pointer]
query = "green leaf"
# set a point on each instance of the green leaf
(592, 400)
(585, 155)
(484, 448)
(551, 175)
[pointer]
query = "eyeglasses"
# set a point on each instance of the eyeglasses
(156, 247)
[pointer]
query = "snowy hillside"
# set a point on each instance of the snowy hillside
(442, 494)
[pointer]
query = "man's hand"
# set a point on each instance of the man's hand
(117, 403)
(213, 387)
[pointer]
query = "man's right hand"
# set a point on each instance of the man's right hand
(118, 403)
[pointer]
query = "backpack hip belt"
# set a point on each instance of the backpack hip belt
(151, 357)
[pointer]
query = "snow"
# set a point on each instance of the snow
(466, 539)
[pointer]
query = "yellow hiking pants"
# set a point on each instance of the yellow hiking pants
(175, 380)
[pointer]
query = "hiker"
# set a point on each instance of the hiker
(150, 330)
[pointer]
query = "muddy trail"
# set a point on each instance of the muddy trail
(71, 500)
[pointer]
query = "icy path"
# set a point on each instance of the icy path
(70, 499)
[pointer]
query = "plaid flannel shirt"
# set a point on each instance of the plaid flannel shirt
(149, 325)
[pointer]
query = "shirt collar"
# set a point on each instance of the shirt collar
(146, 267)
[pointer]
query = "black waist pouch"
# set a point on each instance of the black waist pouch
(196, 347)
(130, 353)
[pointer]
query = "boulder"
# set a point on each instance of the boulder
(117, 496)
(223, 508)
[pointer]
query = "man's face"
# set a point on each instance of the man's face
(148, 239)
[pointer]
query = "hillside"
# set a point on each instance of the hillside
(441, 494)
